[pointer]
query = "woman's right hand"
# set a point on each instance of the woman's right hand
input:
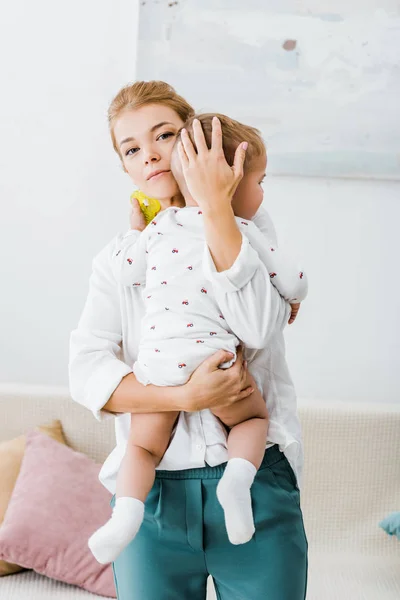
(212, 387)
(137, 220)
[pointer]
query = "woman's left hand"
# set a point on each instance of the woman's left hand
(210, 180)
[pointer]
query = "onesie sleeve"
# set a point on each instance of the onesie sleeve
(252, 307)
(129, 260)
(286, 274)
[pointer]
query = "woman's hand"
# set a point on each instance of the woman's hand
(210, 180)
(211, 387)
(137, 219)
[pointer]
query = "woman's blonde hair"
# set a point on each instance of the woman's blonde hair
(140, 93)
(233, 133)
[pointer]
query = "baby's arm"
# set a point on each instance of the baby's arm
(244, 292)
(129, 261)
(252, 307)
(289, 279)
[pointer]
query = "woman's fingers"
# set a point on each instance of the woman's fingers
(238, 369)
(188, 146)
(199, 138)
(137, 220)
(238, 161)
(218, 358)
(216, 137)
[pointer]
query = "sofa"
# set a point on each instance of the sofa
(351, 482)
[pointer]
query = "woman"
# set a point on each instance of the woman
(183, 539)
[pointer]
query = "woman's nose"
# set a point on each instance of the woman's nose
(151, 156)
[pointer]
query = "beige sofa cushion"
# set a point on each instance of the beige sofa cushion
(11, 454)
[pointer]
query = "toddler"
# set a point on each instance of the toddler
(183, 326)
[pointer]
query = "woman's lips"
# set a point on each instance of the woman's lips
(158, 175)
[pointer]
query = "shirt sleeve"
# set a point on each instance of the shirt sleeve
(95, 368)
(250, 304)
(129, 259)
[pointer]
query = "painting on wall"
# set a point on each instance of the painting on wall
(321, 80)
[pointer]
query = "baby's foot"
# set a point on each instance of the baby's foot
(108, 542)
(233, 493)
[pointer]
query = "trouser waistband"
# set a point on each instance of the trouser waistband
(271, 456)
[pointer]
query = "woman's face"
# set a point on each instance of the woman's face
(145, 138)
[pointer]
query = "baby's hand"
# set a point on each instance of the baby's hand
(295, 310)
(137, 219)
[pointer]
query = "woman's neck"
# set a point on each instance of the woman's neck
(177, 200)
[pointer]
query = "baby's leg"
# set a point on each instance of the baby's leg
(247, 438)
(148, 440)
(248, 423)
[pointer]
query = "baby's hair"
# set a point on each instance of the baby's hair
(141, 93)
(233, 133)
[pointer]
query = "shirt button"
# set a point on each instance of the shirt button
(199, 446)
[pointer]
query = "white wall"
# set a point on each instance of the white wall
(63, 196)
(345, 343)
(62, 192)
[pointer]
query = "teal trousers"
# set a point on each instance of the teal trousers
(183, 540)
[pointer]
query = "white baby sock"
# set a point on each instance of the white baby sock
(108, 542)
(233, 493)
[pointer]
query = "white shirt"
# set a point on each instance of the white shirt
(104, 347)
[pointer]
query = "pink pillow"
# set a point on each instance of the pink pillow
(57, 503)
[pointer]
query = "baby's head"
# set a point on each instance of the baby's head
(249, 193)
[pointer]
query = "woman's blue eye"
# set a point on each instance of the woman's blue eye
(131, 150)
(162, 137)
(165, 136)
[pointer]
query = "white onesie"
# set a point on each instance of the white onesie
(183, 324)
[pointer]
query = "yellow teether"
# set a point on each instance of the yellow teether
(150, 207)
